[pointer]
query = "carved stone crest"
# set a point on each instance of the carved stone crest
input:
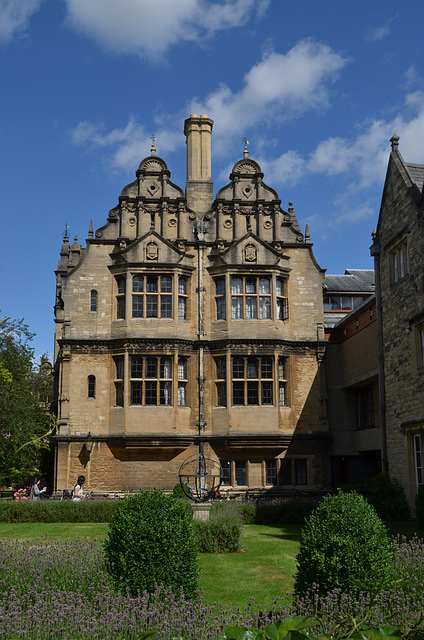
(250, 253)
(152, 251)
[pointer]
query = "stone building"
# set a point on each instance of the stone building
(345, 293)
(190, 318)
(398, 249)
(353, 395)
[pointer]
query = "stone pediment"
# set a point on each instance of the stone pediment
(249, 251)
(246, 185)
(151, 249)
(153, 182)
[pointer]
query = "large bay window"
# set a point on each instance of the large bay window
(151, 380)
(253, 297)
(251, 380)
(152, 296)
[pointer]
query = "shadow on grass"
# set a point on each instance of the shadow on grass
(281, 533)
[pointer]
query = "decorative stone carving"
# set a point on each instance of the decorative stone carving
(246, 168)
(152, 165)
(228, 224)
(172, 222)
(152, 251)
(267, 224)
(152, 188)
(250, 253)
(131, 222)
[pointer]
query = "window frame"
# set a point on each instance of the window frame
(365, 407)
(91, 386)
(251, 296)
(93, 300)
(251, 390)
(399, 261)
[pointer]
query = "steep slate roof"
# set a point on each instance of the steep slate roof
(353, 281)
(417, 173)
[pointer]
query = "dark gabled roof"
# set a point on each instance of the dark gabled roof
(417, 173)
(353, 281)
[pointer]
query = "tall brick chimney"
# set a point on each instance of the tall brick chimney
(199, 187)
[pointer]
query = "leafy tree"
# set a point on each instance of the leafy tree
(25, 396)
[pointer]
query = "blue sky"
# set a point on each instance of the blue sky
(318, 87)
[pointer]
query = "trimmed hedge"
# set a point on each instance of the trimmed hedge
(56, 511)
(344, 545)
(222, 532)
(151, 541)
(276, 512)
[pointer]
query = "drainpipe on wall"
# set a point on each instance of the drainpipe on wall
(200, 231)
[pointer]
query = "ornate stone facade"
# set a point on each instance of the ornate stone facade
(190, 318)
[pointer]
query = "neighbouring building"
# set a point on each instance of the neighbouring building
(344, 293)
(398, 250)
(190, 318)
(353, 395)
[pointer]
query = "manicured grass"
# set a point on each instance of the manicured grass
(264, 568)
(45, 531)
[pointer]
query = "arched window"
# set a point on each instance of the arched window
(91, 386)
(93, 300)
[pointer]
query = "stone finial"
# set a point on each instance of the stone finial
(291, 210)
(91, 230)
(395, 142)
(246, 151)
(307, 234)
(153, 148)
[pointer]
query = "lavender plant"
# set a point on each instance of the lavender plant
(61, 591)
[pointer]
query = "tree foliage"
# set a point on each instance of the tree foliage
(25, 397)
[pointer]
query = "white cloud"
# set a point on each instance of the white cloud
(149, 28)
(128, 144)
(349, 213)
(14, 17)
(286, 169)
(365, 158)
(280, 87)
(380, 32)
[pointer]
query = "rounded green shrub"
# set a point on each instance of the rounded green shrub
(344, 545)
(151, 541)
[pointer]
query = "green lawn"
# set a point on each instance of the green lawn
(263, 568)
(45, 531)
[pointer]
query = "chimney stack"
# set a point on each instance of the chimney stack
(199, 187)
